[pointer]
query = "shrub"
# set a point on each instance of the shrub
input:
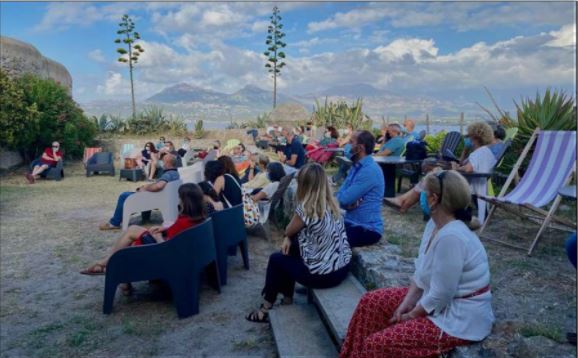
(18, 119)
(434, 141)
(151, 120)
(259, 122)
(199, 131)
(42, 111)
(341, 114)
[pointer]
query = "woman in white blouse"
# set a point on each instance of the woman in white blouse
(448, 302)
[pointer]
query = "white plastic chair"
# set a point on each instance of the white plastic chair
(186, 158)
(166, 200)
(193, 173)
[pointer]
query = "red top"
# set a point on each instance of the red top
(183, 223)
(50, 153)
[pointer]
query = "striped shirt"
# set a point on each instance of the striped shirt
(323, 243)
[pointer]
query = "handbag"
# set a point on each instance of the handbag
(251, 213)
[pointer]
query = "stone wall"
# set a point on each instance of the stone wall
(9, 159)
(18, 58)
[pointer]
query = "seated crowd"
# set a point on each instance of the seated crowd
(448, 302)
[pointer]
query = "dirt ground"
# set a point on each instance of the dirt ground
(49, 231)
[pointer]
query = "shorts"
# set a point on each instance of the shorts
(145, 239)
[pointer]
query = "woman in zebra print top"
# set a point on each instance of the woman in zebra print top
(315, 251)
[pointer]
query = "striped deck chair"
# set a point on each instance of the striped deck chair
(89, 152)
(551, 167)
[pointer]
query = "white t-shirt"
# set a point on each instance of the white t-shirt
(270, 189)
(483, 161)
(455, 266)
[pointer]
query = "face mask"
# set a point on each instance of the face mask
(468, 143)
(268, 177)
(351, 155)
(327, 134)
(424, 204)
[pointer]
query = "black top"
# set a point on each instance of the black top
(295, 147)
(146, 156)
(232, 190)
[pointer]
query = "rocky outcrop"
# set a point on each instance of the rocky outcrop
(18, 58)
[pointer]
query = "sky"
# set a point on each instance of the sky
(447, 49)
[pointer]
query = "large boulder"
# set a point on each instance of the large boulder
(18, 58)
(288, 114)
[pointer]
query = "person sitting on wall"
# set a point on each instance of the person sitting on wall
(362, 193)
(161, 143)
(147, 159)
(185, 147)
(49, 159)
(257, 173)
(394, 145)
(294, 153)
(448, 302)
(170, 174)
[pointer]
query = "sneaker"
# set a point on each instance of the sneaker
(108, 226)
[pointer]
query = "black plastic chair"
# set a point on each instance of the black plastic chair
(100, 162)
(179, 262)
(54, 173)
(229, 228)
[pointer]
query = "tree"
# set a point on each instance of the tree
(130, 56)
(274, 53)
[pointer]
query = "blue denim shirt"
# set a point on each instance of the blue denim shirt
(364, 181)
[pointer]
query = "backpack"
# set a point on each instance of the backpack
(251, 212)
(415, 150)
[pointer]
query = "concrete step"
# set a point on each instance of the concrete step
(299, 332)
(337, 305)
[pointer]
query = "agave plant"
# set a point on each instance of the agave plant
(199, 130)
(341, 114)
(554, 111)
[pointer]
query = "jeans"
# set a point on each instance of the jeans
(253, 133)
(359, 236)
(571, 249)
(116, 219)
(284, 270)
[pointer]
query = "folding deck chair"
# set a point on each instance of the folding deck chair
(551, 167)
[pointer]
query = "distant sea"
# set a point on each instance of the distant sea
(433, 128)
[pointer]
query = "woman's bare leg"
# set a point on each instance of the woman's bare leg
(125, 240)
(153, 169)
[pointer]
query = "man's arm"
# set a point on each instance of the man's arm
(350, 195)
(47, 157)
(153, 187)
(384, 153)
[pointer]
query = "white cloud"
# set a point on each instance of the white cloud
(113, 85)
(97, 56)
(566, 36)
(62, 15)
(459, 16)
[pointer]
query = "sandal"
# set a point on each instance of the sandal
(94, 270)
(258, 316)
(108, 226)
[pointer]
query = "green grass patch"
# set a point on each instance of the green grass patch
(550, 332)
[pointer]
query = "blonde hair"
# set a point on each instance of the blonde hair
(482, 131)
(314, 192)
(456, 190)
(263, 160)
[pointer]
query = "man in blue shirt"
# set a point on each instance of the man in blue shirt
(170, 174)
(362, 193)
(294, 154)
(410, 132)
(395, 145)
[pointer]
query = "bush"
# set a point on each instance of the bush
(18, 119)
(151, 120)
(434, 141)
(341, 114)
(36, 112)
(199, 131)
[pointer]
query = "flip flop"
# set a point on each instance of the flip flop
(108, 226)
(91, 271)
(391, 204)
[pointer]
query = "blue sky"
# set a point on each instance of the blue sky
(444, 49)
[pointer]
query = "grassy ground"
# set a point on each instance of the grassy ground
(49, 232)
(532, 295)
